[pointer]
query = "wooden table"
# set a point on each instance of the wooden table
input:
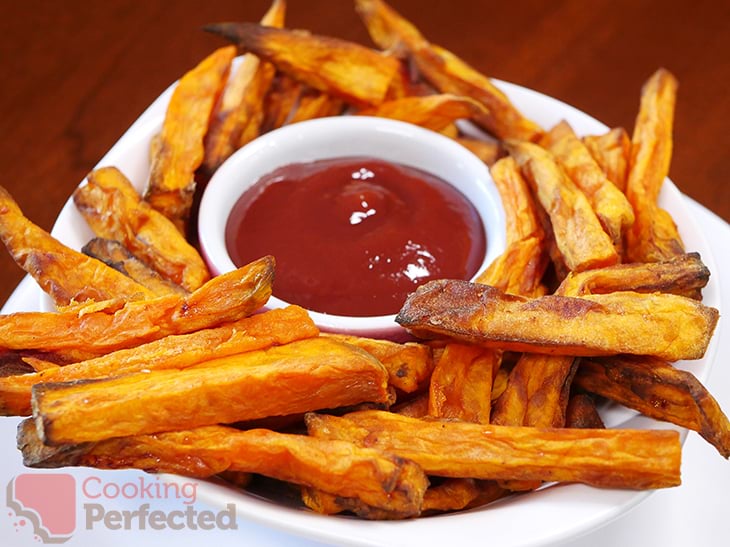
(76, 74)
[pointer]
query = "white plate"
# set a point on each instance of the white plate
(547, 516)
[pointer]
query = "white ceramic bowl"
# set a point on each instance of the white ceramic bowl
(346, 136)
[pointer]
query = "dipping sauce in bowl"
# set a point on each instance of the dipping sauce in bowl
(354, 207)
(354, 236)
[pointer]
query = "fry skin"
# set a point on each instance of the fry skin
(310, 374)
(274, 327)
(611, 458)
(612, 152)
(658, 390)
(356, 74)
(380, 480)
(111, 325)
(601, 324)
(50, 262)
(114, 210)
(179, 150)
(582, 413)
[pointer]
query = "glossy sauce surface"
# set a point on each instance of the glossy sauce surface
(355, 236)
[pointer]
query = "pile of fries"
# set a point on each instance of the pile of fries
(150, 363)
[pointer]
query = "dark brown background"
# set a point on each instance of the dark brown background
(75, 75)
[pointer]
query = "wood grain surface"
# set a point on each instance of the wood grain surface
(76, 74)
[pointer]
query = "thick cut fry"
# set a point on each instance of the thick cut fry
(306, 375)
(684, 275)
(461, 384)
(435, 112)
(67, 275)
(612, 458)
(315, 104)
(179, 149)
(658, 390)
(577, 231)
(417, 407)
(610, 204)
(380, 480)
(654, 235)
(114, 210)
(487, 151)
(280, 102)
(522, 219)
(110, 326)
(274, 327)
(601, 324)
(409, 365)
(114, 254)
(344, 69)
(457, 494)
(240, 104)
(611, 151)
(582, 413)
(445, 71)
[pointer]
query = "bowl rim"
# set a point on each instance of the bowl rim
(305, 138)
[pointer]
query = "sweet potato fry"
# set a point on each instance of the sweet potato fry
(354, 73)
(110, 326)
(417, 407)
(65, 274)
(435, 112)
(613, 458)
(280, 102)
(601, 324)
(654, 235)
(315, 104)
(377, 479)
(457, 494)
(310, 374)
(445, 71)
(487, 151)
(577, 231)
(274, 327)
(684, 275)
(409, 365)
(582, 412)
(179, 149)
(611, 151)
(114, 254)
(240, 103)
(658, 390)
(610, 204)
(114, 210)
(461, 384)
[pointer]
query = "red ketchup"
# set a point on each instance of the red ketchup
(354, 236)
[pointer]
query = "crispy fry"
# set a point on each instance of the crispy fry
(519, 206)
(461, 384)
(306, 375)
(435, 112)
(654, 235)
(409, 365)
(240, 103)
(601, 324)
(611, 151)
(612, 458)
(582, 412)
(457, 494)
(280, 102)
(325, 503)
(417, 407)
(445, 71)
(275, 327)
(180, 147)
(658, 390)
(110, 326)
(315, 104)
(339, 467)
(65, 274)
(354, 73)
(610, 204)
(114, 254)
(578, 233)
(684, 275)
(114, 210)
